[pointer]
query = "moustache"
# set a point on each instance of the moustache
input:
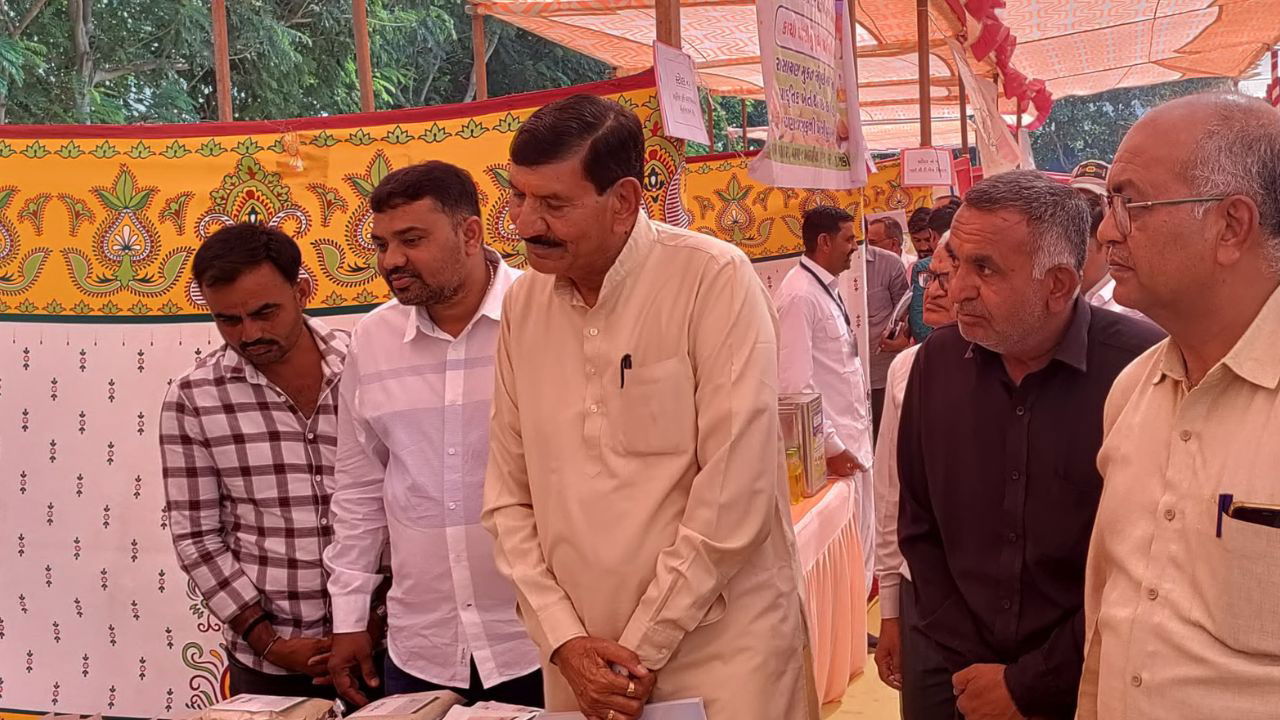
(546, 241)
(246, 347)
(971, 307)
(401, 273)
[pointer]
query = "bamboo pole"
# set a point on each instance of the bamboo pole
(364, 59)
(221, 59)
(745, 144)
(479, 50)
(922, 58)
(964, 120)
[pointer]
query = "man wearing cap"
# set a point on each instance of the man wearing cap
(1089, 179)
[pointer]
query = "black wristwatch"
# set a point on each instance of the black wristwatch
(248, 629)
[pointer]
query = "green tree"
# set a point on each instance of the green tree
(1091, 127)
(134, 61)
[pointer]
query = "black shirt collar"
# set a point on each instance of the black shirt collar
(1072, 350)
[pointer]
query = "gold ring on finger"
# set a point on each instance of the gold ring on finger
(631, 688)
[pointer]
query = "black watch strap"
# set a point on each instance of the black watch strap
(248, 629)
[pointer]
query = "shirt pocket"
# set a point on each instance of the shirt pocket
(1239, 582)
(835, 336)
(653, 412)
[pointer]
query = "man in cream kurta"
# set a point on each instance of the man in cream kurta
(636, 484)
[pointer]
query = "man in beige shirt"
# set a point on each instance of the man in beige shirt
(1182, 592)
(636, 485)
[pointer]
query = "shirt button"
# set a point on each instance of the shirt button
(1170, 514)
(1013, 537)
(1016, 475)
(1152, 594)
(1136, 681)
(453, 506)
(595, 408)
(1021, 410)
(452, 451)
(311, 436)
(1185, 435)
(593, 332)
(1007, 604)
(324, 521)
(319, 479)
(591, 371)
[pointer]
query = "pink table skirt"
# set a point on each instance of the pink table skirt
(835, 590)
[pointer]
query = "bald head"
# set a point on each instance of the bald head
(1224, 144)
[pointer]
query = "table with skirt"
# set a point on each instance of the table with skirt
(835, 586)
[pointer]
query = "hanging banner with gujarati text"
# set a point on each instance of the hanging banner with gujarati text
(811, 85)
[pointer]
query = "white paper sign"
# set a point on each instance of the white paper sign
(926, 167)
(678, 94)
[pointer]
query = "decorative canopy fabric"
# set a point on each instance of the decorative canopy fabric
(1038, 49)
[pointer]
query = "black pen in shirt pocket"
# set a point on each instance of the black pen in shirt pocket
(623, 367)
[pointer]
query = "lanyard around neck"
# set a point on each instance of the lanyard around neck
(830, 293)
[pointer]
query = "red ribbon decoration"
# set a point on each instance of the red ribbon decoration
(996, 41)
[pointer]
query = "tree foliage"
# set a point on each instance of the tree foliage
(146, 61)
(135, 61)
(1091, 127)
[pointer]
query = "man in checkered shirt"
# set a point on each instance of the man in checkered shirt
(247, 440)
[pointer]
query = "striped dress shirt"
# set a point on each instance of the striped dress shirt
(413, 445)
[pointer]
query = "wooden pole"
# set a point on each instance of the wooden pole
(922, 57)
(364, 60)
(711, 123)
(221, 59)
(668, 17)
(479, 50)
(745, 144)
(964, 120)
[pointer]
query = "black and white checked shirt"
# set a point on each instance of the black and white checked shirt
(248, 480)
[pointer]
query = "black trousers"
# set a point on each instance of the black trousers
(246, 680)
(877, 412)
(927, 691)
(525, 690)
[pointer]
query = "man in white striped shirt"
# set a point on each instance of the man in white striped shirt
(413, 437)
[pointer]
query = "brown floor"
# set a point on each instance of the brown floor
(867, 698)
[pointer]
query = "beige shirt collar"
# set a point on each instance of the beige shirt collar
(1253, 358)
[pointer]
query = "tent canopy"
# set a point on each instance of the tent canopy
(1073, 47)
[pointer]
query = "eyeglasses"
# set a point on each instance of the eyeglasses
(1119, 205)
(928, 277)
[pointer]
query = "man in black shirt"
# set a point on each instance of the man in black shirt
(1001, 426)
